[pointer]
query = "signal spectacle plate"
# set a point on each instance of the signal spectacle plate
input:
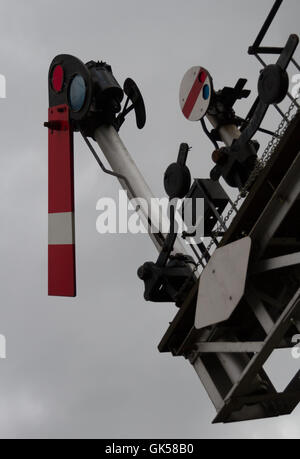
(195, 93)
(70, 84)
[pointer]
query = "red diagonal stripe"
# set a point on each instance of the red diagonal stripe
(194, 93)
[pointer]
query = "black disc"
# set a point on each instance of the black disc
(273, 84)
(177, 181)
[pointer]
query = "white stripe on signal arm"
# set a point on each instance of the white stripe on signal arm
(61, 228)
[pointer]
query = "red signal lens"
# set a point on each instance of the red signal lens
(58, 78)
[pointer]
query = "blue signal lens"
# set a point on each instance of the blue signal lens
(206, 92)
(77, 93)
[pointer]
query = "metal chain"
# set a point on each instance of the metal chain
(260, 165)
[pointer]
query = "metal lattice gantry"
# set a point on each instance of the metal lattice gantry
(229, 356)
(246, 304)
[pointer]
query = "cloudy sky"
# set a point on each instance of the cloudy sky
(89, 367)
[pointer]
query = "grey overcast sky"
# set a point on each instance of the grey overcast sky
(89, 367)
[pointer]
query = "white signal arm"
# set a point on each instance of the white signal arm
(122, 163)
